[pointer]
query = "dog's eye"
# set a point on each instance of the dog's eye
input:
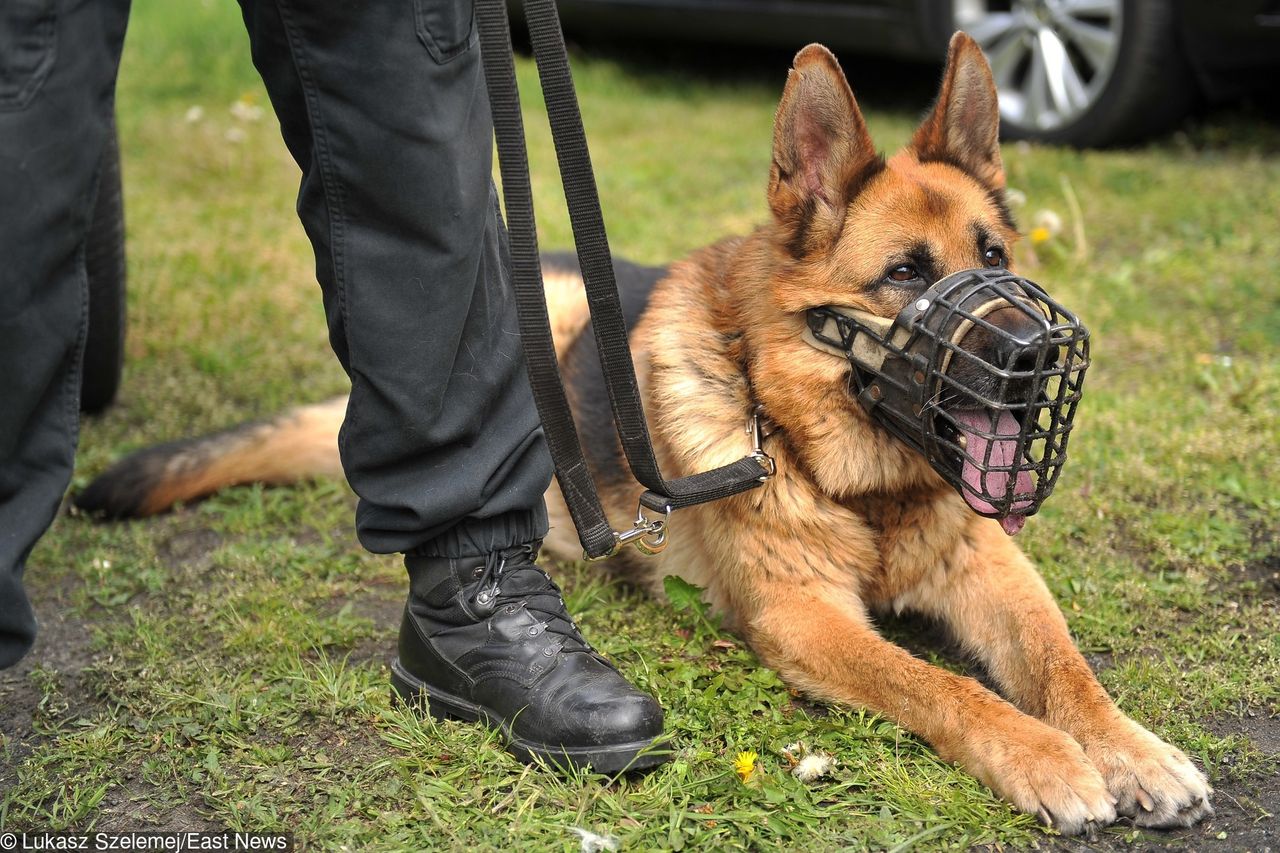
(906, 272)
(994, 257)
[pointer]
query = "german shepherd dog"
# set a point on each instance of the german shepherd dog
(854, 523)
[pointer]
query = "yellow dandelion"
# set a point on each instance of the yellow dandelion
(745, 764)
(1039, 235)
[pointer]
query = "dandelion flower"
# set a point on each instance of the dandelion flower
(745, 764)
(593, 843)
(244, 108)
(813, 766)
(1044, 225)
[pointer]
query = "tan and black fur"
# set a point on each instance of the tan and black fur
(854, 523)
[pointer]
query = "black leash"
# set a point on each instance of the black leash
(597, 535)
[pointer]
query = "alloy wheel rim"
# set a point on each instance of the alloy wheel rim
(1051, 59)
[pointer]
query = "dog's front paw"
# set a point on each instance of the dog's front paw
(1154, 783)
(1044, 772)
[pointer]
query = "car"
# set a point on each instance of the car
(1077, 72)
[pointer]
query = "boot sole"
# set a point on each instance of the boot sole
(608, 759)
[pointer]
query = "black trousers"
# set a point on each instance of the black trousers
(382, 104)
(58, 65)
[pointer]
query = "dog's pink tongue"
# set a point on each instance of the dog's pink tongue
(1011, 524)
(1003, 453)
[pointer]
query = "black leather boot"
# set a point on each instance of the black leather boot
(488, 638)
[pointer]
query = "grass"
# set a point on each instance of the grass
(225, 666)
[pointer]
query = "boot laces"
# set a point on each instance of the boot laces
(529, 585)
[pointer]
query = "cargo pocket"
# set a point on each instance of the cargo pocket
(446, 27)
(28, 36)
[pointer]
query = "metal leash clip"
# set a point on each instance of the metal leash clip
(649, 535)
(755, 429)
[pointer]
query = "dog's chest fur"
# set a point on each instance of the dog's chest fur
(706, 351)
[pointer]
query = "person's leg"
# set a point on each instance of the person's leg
(383, 105)
(441, 441)
(58, 66)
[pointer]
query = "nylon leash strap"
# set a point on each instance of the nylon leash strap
(598, 537)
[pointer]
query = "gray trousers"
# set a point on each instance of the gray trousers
(382, 105)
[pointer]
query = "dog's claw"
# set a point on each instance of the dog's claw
(1044, 817)
(1144, 800)
(1198, 805)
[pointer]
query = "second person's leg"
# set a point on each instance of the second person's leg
(58, 67)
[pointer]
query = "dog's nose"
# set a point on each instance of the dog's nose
(1017, 340)
(1016, 357)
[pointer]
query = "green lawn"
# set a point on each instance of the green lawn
(225, 666)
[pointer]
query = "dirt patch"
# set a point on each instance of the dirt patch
(381, 604)
(1258, 725)
(1257, 578)
(62, 651)
(54, 673)
(133, 807)
(193, 549)
(61, 661)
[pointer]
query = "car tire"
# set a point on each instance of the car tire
(1086, 73)
(105, 268)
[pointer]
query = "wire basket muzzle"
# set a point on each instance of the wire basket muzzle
(981, 374)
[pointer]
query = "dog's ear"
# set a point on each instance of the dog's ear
(964, 127)
(822, 153)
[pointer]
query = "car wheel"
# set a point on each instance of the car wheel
(105, 267)
(1082, 72)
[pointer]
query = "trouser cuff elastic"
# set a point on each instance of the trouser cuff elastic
(477, 536)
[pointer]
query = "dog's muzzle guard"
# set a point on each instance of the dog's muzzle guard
(981, 373)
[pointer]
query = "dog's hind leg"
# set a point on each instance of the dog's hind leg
(817, 636)
(999, 608)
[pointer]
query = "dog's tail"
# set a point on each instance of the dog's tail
(300, 444)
